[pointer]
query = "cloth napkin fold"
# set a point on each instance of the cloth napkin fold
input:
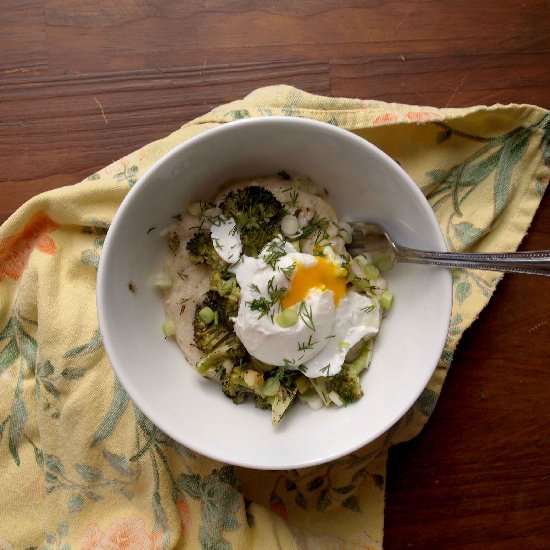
(82, 467)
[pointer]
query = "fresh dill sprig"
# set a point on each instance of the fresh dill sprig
(198, 227)
(217, 243)
(369, 309)
(326, 370)
(316, 226)
(204, 206)
(306, 314)
(182, 275)
(302, 368)
(275, 250)
(310, 344)
(292, 202)
(262, 305)
(284, 376)
(288, 271)
(275, 292)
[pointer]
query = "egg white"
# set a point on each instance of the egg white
(226, 239)
(353, 321)
(320, 347)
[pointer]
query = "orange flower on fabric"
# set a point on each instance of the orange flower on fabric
(386, 118)
(184, 513)
(15, 250)
(123, 534)
(92, 538)
(423, 116)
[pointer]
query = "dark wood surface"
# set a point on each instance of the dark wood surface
(478, 477)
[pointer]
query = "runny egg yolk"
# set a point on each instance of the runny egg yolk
(324, 275)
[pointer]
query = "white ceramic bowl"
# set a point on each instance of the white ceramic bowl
(363, 184)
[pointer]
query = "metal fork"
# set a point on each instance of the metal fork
(368, 236)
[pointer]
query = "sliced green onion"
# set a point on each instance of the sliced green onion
(384, 263)
(363, 361)
(371, 272)
(203, 367)
(162, 280)
(386, 300)
(363, 259)
(168, 328)
(365, 286)
(335, 398)
(194, 209)
(287, 318)
(357, 268)
(271, 387)
(314, 402)
(343, 344)
(346, 232)
(289, 225)
(206, 315)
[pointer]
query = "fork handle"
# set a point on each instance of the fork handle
(532, 263)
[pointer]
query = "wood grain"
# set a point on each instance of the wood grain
(82, 84)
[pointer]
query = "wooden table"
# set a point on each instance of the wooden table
(82, 84)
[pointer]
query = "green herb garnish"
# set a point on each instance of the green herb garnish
(275, 250)
(326, 370)
(306, 314)
(310, 344)
(293, 200)
(316, 226)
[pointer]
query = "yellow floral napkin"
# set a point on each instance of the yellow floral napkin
(82, 467)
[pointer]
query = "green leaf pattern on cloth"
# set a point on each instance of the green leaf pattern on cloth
(79, 453)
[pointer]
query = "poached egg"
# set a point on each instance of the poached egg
(296, 311)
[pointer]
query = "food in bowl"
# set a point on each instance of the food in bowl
(263, 297)
(363, 183)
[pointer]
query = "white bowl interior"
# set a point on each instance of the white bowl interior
(363, 184)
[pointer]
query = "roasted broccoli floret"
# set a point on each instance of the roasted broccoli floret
(201, 250)
(210, 334)
(225, 284)
(258, 216)
(234, 386)
(213, 333)
(228, 353)
(346, 384)
(225, 308)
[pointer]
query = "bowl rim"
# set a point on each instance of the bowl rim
(148, 177)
